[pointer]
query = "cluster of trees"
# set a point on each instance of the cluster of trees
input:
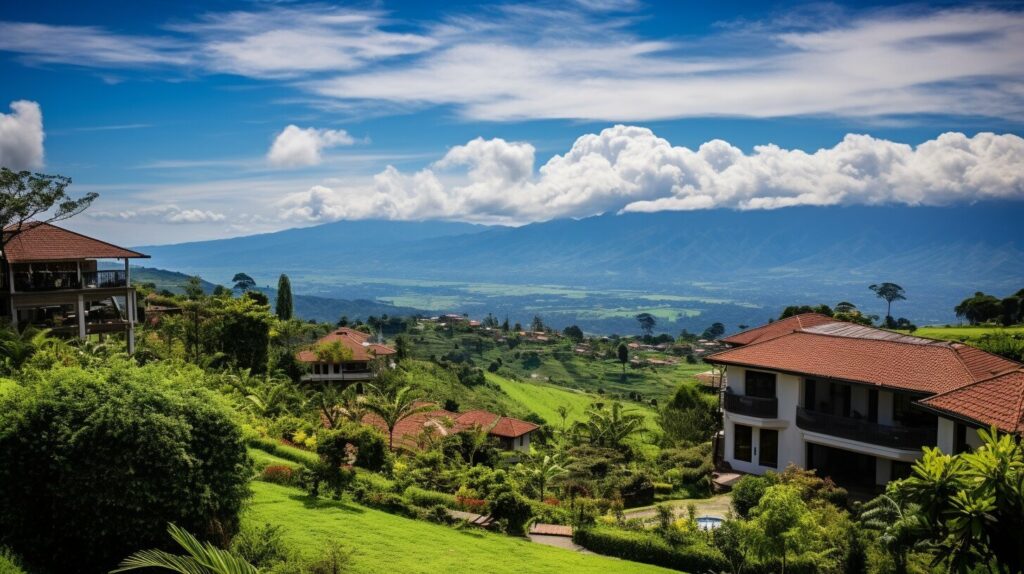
(983, 308)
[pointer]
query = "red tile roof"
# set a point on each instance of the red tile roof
(870, 357)
(355, 341)
(409, 428)
(498, 425)
(996, 401)
(46, 242)
(778, 328)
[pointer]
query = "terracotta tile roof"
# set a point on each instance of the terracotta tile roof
(996, 401)
(46, 242)
(355, 341)
(925, 366)
(778, 328)
(410, 427)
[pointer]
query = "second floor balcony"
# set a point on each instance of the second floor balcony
(861, 430)
(40, 281)
(761, 407)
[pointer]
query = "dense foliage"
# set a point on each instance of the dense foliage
(112, 455)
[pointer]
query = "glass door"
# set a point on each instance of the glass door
(769, 448)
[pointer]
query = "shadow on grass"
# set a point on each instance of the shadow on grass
(318, 503)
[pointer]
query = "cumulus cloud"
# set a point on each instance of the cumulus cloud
(160, 214)
(630, 169)
(21, 136)
(295, 146)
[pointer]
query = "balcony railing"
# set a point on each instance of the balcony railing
(762, 407)
(65, 280)
(860, 430)
(342, 376)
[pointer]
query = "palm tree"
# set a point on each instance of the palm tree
(543, 471)
(898, 524)
(563, 413)
(610, 427)
(202, 558)
(393, 405)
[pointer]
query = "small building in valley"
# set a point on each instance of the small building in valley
(342, 356)
(510, 433)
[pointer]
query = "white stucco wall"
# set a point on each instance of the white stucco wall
(791, 447)
(946, 436)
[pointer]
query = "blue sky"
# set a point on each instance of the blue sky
(201, 120)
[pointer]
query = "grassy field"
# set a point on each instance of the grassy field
(964, 333)
(387, 543)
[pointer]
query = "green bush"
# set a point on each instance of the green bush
(649, 548)
(428, 498)
(372, 445)
(747, 492)
(97, 462)
(511, 509)
(9, 563)
(261, 545)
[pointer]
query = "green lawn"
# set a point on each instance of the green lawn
(387, 543)
(963, 333)
(262, 459)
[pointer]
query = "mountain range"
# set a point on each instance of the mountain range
(763, 259)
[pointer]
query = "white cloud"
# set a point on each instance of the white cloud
(160, 214)
(21, 136)
(296, 146)
(510, 62)
(628, 168)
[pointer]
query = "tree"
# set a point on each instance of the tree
(128, 450)
(622, 353)
(537, 325)
(243, 282)
(609, 427)
(890, 292)
(713, 332)
(401, 347)
(979, 308)
(284, 307)
(201, 558)
(776, 521)
(193, 288)
(573, 333)
(972, 504)
(26, 196)
(647, 323)
(244, 332)
(563, 413)
(394, 405)
(1011, 310)
(899, 524)
(541, 472)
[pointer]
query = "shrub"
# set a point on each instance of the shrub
(285, 451)
(428, 498)
(261, 545)
(439, 514)
(512, 509)
(371, 444)
(278, 474)
(117, 453)
(9, 563)
(647, 547)
(747, 492)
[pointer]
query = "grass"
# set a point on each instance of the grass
(964, 333)
(262, 459)
(387, 543)
(284, 451)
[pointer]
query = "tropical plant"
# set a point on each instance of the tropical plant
(609, 427)
(542, 471)
(897, 522)
(200, 558)
(18, 345)
(393, 405)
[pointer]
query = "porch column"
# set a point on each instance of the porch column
(81, 317)
(130, 335)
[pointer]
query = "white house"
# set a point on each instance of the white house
(857, 403)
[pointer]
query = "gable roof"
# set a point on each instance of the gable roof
(410, 427)
(778, 328)
(498, 425)
(849, 352)
(997, 401)
(355, 341)
(40, 241)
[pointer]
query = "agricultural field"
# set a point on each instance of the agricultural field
(964, 333)
(388, 543)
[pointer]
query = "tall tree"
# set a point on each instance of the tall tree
(647, 323)
(623, 355)
(243, 282)
(393, 405)
(26, 196)
(284, 307)
(890, 292)
(537, 325)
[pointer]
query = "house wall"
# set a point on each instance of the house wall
(946, 437)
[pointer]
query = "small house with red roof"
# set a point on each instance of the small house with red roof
(855, 402)
(342, 356)
(51, 277)
(510, 433)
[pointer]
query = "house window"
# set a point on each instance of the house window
(760, 384)
(960, 439)
(742, 442)
(337, 368)
(873, 405)
(520, 441)
(769, 455)
(810, 392)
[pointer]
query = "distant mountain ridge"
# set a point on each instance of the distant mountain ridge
(800, 254)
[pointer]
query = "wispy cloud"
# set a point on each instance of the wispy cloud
(587, 61)
(168, 213)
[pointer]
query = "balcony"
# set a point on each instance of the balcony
(40, 281)
(908, 438)
(761, 407)
(338, 377)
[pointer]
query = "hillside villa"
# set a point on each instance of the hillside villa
(511, 434)
(342, 356)
(857, 403)
(52, 278)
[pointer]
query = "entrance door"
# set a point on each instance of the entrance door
(769, 455)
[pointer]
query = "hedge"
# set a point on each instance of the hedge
(276, 448)
(650, 548)
(428, 498)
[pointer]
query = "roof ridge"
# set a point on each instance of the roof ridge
(797, 317)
